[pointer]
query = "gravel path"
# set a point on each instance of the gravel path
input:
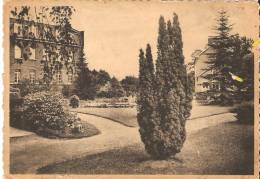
(30, 153)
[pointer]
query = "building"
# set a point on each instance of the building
(200, 71)
(28, 42)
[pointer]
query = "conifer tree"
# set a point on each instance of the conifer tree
(219, 60)
(146, 101)
(175, 94)
(165, 125)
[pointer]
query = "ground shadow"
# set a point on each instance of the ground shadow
(226, 149)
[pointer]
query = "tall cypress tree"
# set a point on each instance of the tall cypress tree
(165, 125)
(186, 85)
(175, 93)
(146, 101)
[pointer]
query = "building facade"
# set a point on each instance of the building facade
(28, 42)
(200, 68)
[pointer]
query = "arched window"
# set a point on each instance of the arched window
(17, 52)
(70, 60)
(32, 52)
(33, 29)
(18, 29)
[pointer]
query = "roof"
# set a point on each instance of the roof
(202, 53)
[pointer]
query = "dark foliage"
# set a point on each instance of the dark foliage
(147, 120)
(130, 85)
(245, 112)
(231, 55)
(74, 101)
(164, 100)
(116, 89)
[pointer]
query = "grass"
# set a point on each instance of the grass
(125, 116)
(223, 149)
(89, 130)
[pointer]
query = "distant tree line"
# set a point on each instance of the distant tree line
(91, 84)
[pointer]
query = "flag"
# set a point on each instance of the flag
(234, 77)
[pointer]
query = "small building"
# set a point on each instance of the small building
(30, 37)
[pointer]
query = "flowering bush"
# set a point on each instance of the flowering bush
(44, 110)
(74, 101)
(26, 87)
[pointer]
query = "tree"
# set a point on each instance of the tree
(230, 56)
(130, 85)
(103, 77)
(83, 81)
(219, 60)
(243, 66)
(169, 101)
(148, 123)
(116, 89)
(175, 95)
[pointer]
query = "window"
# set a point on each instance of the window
(17, 52)
(32, 77)
(32, 54)
(215, 86)
(18, 29)
(44, 55)
(33, 29)
(70, 77)
(205, 85)
(17, 76)
(59, 77)
(70, 57)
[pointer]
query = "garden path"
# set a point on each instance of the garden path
(30, 153)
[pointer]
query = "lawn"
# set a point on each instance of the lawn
(223, 149)
(127, 116)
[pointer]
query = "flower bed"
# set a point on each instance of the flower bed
(45, 113)
(88, 130)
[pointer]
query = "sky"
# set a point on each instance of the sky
(114, 32)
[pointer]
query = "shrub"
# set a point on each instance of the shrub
(15, 107)
(74, 101)
(244, 112)
(44, 110)
(215, 97)
(26, 87)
